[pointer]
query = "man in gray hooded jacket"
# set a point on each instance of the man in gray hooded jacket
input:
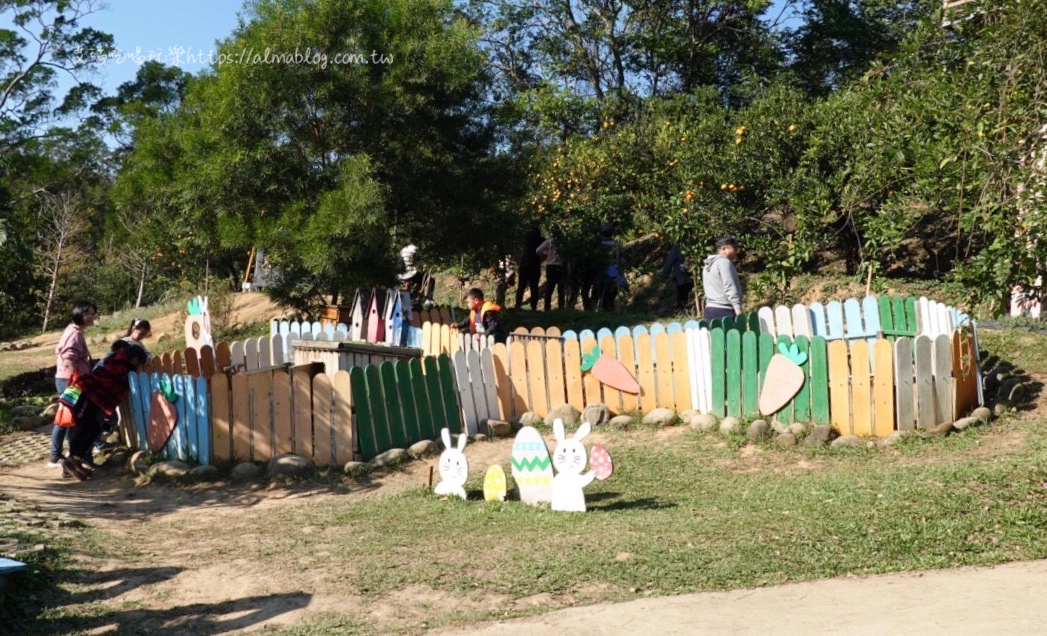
(723, 290)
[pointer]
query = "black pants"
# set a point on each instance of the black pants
(683, 294)
(528, 279)
(554, 275)
(712, 313)
(89, 419)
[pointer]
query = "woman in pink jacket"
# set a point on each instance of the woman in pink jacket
(71, 358)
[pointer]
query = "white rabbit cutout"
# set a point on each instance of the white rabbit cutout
(454, 467)
(569, 459)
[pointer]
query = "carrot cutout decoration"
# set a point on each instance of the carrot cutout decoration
(610, 371)
(784, 379)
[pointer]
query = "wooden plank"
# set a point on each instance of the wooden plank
(221, 418)
(465, 392)
(612, 397)
(166, 364)
(342, 418)
(965, 372)
(783, 321)
(645, 369)
(261, 386)
(681, 370)
(423, 406)
(393, 408)
(207, 361)
(900, 320)
(802, 325)
(383, 439)
(192, 362)
(446, 334)
(703, 338)
(476, 385)
(802, 401)
(925, 410)
(204, 421)
(785, 415)
(436, 398)
(911, 321)
(883, 388)
(572, 359)
(408, 402)
(280, 355)
(176, 363)
(555, 373)
(733, 374)
(839, 387)
(750, 374)
(852, 311)
(819, 368)
(265, 353)
(490, 384)
(904, 391)
(883, 307)
(818, 325)
(365, 438)
(718, 372)
(302, 391)
(427, 338)
(251, 362)
(592, 386)
(834, 320)
(518, 375)
(943, 381)
(861, 389)
(500, 355)
(451, 408)
(536, 377)
(445, 315)
(283, 437)
(663, 371)
(223, 355)
(626, 354)
(240, 423)
(323, 410)
(766, 317)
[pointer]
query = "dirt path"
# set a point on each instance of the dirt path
(1006, 599)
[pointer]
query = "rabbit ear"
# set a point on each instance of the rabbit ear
(582, 431)
(558, 430)
(463, 439)
(446, 436)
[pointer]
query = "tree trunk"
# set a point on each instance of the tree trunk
(51, 289)
(141, 287)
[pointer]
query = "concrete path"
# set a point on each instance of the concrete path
(1007, 600)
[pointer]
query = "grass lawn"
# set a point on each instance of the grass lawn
(683, 512)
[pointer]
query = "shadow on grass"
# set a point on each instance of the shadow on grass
(614, 503)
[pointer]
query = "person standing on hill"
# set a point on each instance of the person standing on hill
(723, 290)
(554, 273)
(529, 269)
(72, 359)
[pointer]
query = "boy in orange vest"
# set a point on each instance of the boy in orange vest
(484, 317)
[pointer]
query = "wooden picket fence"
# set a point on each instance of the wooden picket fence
(873, 366)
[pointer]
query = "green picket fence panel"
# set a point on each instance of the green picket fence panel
(819, 366)
(382, 438)
(393, 412)
(883, 304)
(436, 395)
(734, 373)
(364, 421)
(422, 403)
(766, 352)
(802, 401)
(451, 410)
(910, 315)
(754, 322)
(408, 401)
(785, 416)
(901, 322)
(717, 355)
(750, 374)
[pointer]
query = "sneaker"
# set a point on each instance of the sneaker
(54, 462)
(101, 447)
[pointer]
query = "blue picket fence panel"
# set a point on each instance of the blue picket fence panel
(191, 439)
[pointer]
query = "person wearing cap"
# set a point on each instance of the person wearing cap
(723, 290)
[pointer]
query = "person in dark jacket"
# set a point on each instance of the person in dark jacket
(95, 396)
(484, 317)
(529, 269)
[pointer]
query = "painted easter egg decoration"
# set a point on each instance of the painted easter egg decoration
(532, 467)
(601, 463)
(494, 484)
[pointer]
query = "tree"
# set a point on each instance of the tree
(62, 228)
